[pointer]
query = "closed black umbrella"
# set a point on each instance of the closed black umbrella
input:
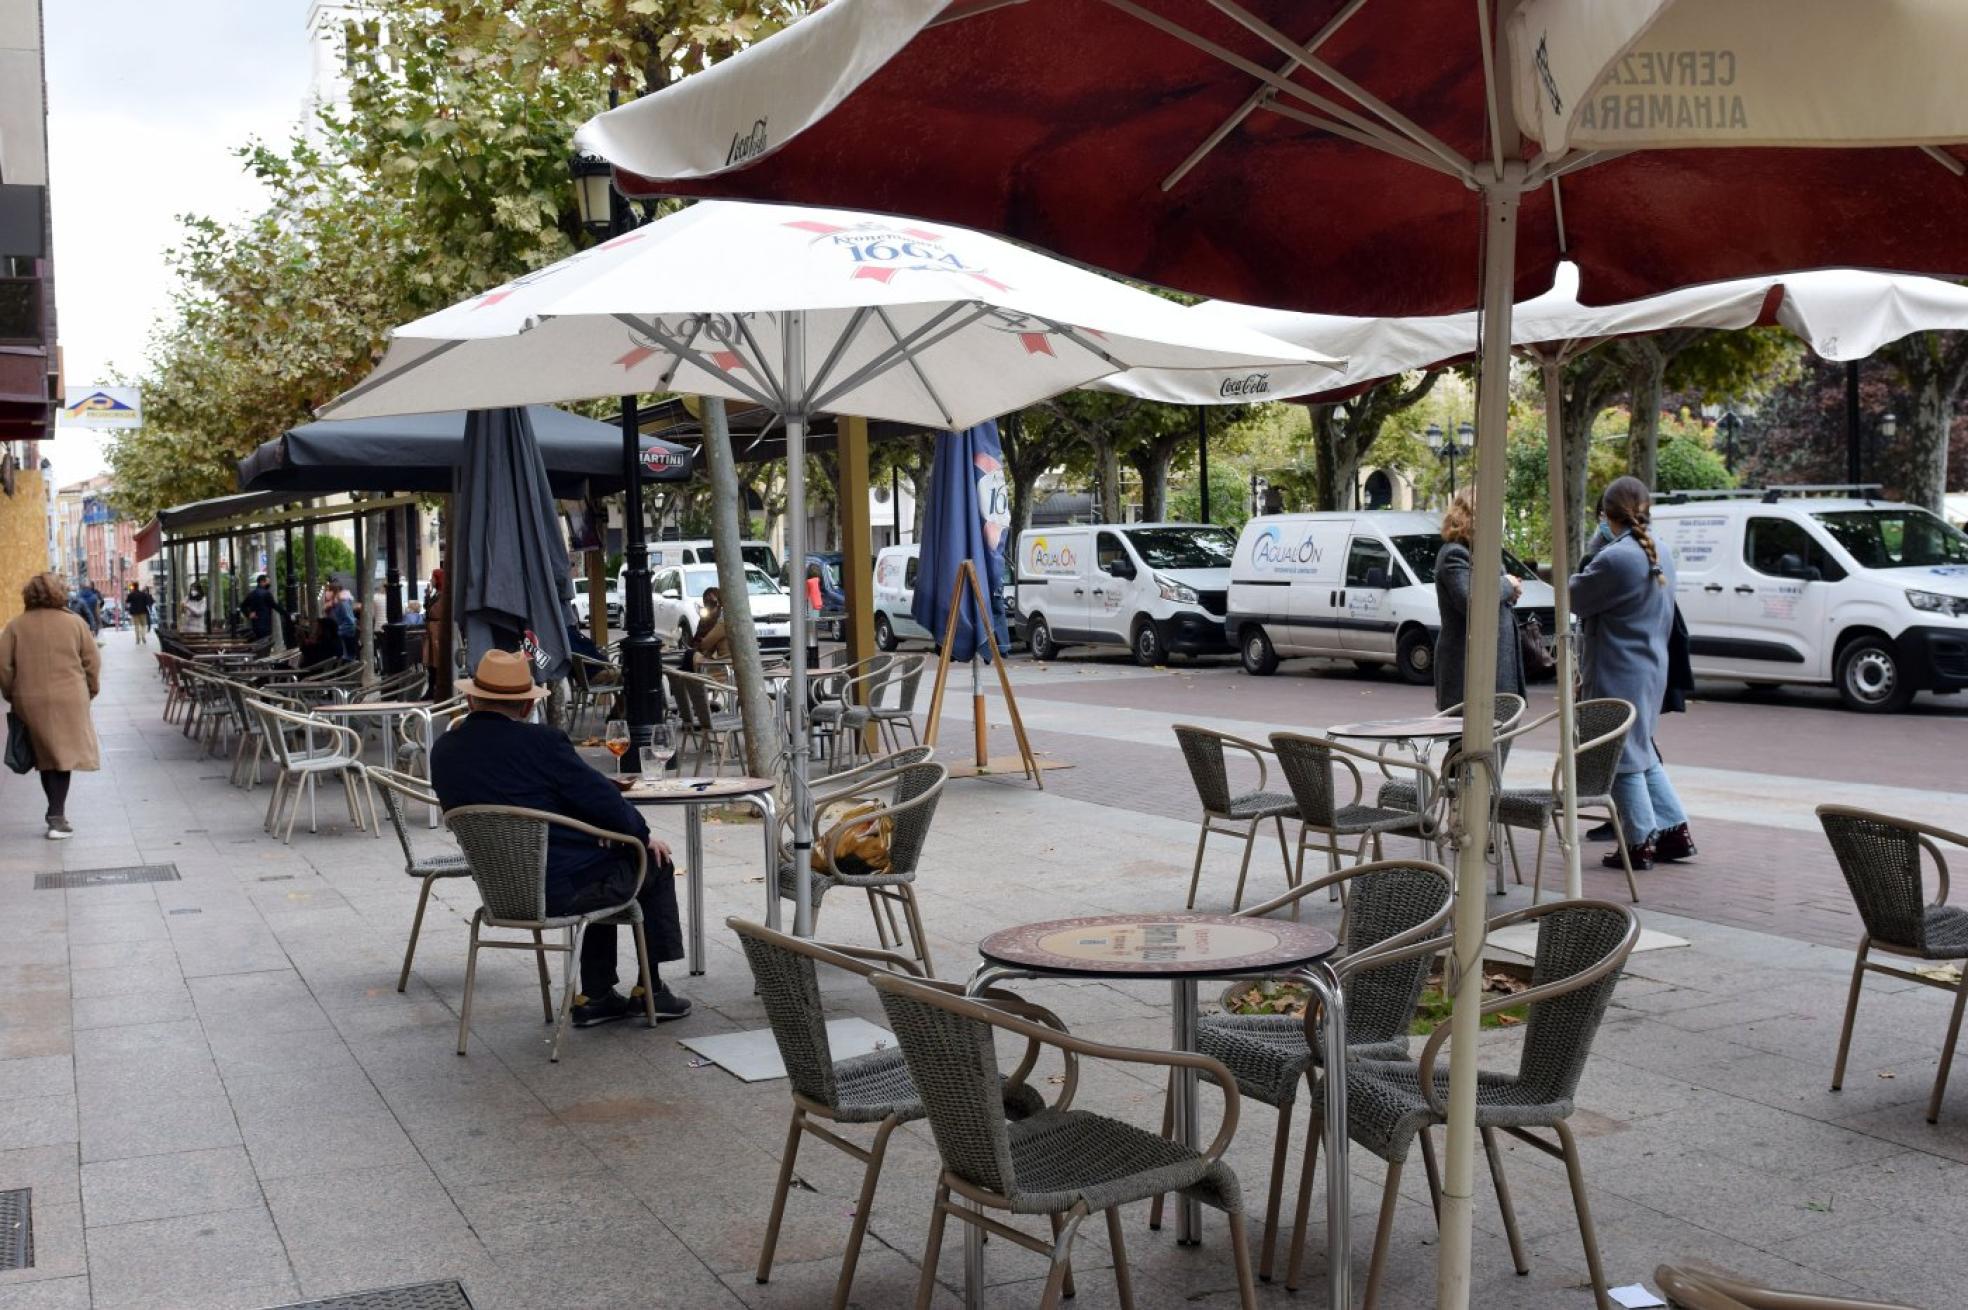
(514, 590)
(423, 452)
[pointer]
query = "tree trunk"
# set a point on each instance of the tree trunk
(1928, 426)
(1107, 462)
(1646, 371)
(755, 707)
(1338, 467)
(1023, 468)
(1152, 462)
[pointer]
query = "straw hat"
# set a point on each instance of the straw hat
(502, 675)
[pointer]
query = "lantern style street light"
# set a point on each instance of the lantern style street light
(1451, 448)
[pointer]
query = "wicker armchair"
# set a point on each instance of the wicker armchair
(1880, 858)
(596, 685)
(1392, 904)
(1400, 793)
(903, 795)
(1063, 1163)
(1694, 1289)
(398, 789)
(1601, 727)
(867, 1089)
(506, 849)
(305, 749)
(852, 707)
(1307, 763)
(708, 712)
(1203, 749)
(906, 676)
(1581, 946)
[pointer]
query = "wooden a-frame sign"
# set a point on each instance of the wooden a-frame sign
(967, 577)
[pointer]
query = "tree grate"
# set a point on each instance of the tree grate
(70, 879)
(447, 1295)
(16, 1229)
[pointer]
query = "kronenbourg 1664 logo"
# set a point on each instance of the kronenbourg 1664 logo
(880, 252)
(1273, 552)
(1048, 558)
(993, 504)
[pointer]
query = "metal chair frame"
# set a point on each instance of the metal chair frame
(1927, 837)
(342, 755)
(1590, 804)
(1697, 1289)
(1214, 815)
(396, 788)
(575, 925)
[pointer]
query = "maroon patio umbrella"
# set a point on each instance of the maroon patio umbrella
(1362, 157)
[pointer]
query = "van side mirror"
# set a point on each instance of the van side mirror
(1377, 578)
(1121, 568)
(1793, 566)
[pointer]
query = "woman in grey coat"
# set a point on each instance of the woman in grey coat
(1625, 600)
(1452, 598)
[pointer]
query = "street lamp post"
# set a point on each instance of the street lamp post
(1729, 426)
(1889, 427)
(1449, 448)
(604, 215)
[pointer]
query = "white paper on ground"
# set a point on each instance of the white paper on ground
(754, 1056)
(1635, 1297)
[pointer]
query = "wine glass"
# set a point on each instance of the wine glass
(615, 736)
(662, 745)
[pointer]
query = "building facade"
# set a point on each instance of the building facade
(30, 362)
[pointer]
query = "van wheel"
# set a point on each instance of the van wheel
(1148, 648)
(1259, 656)
(1870, 678)
(884, 633)
(1038, 637)
(1414, 655)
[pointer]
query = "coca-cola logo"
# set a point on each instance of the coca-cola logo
(1251, 384)
(746, 145)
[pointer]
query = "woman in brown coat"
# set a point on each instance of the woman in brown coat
(50, 670)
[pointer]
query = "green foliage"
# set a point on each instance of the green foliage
(1689, 463)
(330, 555)
(1229, 497)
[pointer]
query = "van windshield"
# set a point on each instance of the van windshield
(1895, 538)
(1183, 548)
(758, 555)
(1420, 549)
(695, 581)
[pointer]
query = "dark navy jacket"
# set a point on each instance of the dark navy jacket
(489, 759)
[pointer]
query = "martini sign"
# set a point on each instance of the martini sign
(102, 409)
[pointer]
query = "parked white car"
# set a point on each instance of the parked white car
(680, 597)
(895, 592)
(1358, 586)
(611, 599)
(1868, 596)
(1151, 587)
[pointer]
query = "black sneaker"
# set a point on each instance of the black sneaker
(605, 1008)
(668, 1004)
(1604, 832)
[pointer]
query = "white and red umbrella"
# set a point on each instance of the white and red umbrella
(803, 311)
(1363, 157)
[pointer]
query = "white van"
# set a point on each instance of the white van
(1358, 586)
(1865, 595)
(700, 551)
(1152, 587)
(895, 594)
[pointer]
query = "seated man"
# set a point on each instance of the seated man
(493, 756)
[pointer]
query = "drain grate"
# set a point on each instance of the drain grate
(449, 1295)
(16, 1230)
(278, 877)
(72, 878)
(191, 909)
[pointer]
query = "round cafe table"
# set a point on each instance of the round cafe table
(1419, 736)
(1183, 949)
(693, 794)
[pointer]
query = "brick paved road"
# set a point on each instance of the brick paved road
(1773, 876)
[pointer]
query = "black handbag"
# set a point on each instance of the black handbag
(20, 747)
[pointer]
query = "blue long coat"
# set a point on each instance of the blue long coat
(1628, 616)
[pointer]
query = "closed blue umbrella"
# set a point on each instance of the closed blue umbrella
(515, 586)
(966, 519)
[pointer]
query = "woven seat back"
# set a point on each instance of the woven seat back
(905, 844)
(1558, 1034)
(693, 700)
(1307, 764)
(1881, 863)
(953, 1062)
(910, 682)
(789, 988)
(507, 853)
(397, 788)
(1598, 766)
(1380, 1003)
(1203, 751)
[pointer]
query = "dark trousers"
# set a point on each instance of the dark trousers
(661, 923)
(346, 645)
(54, 785)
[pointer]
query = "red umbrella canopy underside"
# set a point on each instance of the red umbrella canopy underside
(1056, 121)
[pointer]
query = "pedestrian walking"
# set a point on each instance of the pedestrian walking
(1452, 565)
(193, 609)
(260, 607)
(1624, 598)
(341, 612)
(137, 604)
(50, 670)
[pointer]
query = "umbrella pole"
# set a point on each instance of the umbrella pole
(1472, 828)
(1561, 550)
(794, 324)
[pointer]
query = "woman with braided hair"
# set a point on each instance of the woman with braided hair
(1625, 599)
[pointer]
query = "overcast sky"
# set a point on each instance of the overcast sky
(146, 101)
